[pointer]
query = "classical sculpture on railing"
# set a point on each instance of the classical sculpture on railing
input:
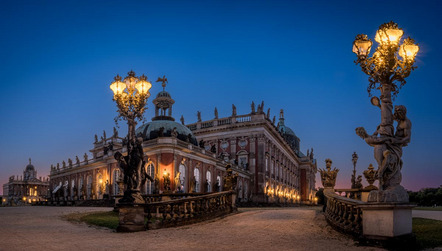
(328, 176)
(369, 175)
(230, 180)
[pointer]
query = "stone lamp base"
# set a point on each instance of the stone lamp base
(131, 218)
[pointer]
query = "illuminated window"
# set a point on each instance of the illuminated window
(151, 172)
(182, 170)
(209, 181)
(196, 174)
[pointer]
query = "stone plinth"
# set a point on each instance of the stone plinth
(386, 220)
(131, 218)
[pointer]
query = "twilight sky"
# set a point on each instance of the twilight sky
(59, 57)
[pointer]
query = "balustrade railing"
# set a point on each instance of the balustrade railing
(343, 213)
(177, 212)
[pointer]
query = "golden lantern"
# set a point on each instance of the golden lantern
(362, 45)
(143, 86)
(388, 33)
(117, 86)
(408, 50)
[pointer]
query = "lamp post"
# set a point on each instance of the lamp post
(131, 97)
(354, 159)
(387, 69)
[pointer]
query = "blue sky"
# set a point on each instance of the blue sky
(58, 59)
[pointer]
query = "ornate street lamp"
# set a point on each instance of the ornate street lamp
(354, 159)
(131, 97)
(387, 69)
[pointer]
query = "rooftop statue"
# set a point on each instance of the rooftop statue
(182, 120)
(198, 114)
(328, 176)
(216, 113)
(233, 110)
(115, 133)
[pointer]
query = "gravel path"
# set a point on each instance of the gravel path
(43, 228)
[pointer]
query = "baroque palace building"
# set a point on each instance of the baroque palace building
(27, 188)
(193, 159)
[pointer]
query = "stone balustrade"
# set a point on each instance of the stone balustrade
(343, 213)
(177, 212)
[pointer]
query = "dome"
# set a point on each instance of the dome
(152, 129)
(30, 167)
(162, 94)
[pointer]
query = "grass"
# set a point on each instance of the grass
(428, 208)
(428, 232)
(107, 219)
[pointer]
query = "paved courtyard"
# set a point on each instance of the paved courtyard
(44, 228)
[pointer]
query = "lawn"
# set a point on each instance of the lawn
(428, 232)
(102, 219)
(428, 208)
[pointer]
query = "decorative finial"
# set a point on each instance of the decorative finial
(281, 114)
(117, 78)
(29, 161)
(163, 80)
(131, 73)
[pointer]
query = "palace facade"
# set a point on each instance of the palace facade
(193, 158)
(25, 189)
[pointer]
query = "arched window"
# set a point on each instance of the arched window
(209, 181)
(182, 170)
(151, 172)
(196, 174)
(218, 180)
(115, 179)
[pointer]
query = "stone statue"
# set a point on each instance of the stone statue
(104, 134)
(311, 154)
(192, 184)
(166, 179)
(85, 157)
(58, 166)
(115, 133)
(106, 189)
(308, 153)
(262, 107)
(174, 133)
(178, 182)
(216, 113)
(64, 164)
(77, 160)
(230, 180)
(273, 121)
(268, 113)
(213, 148)
(198, 114)
(328, 176)
(157, 184)
(161, 132)
(233, 110)
(132, 166)
(253, 107)
(201, 143)
(96, 138)
(182, 120)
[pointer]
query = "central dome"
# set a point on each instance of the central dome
(164, 128)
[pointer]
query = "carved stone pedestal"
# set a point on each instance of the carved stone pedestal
(131, 218)
(383, 221)
(396, 194)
